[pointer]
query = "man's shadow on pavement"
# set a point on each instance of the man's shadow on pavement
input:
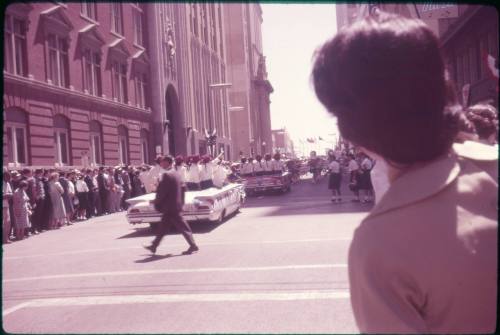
(152, 258)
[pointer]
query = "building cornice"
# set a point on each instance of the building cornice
(57, 90)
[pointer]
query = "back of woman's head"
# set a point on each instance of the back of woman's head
(384, 79)
(484, 117)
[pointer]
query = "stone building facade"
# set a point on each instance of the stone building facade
(76, 84)
(112, 83)
(188, 62)
(249, 94)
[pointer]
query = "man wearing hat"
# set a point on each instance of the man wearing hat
(39, 198)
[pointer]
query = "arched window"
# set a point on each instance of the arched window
(16, 126)
(145, 146)
(96, 144)
(123, 145)
(62, 139)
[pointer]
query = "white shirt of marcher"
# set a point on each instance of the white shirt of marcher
(220, 176)
(207, 169)
(81, 186)
(353, 166)
(334, 167)
(246, 168)
(193, 174)
(181, 172)
(154, 177)
(277, 165)
(258, 166)
(268, 165)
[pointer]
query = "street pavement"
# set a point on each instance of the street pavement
(278, 266)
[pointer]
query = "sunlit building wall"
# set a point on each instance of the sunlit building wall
(249, 94)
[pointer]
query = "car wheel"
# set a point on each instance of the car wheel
(221, 217)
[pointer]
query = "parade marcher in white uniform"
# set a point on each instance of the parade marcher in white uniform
(193, 173)
(278, 165)
(180, 169)
(267, 164)
(207, 168)
(335, 178)
(365, 179)
(153, 176)
(220, 175)
(258, 166)
(246, 167)
(353, 168)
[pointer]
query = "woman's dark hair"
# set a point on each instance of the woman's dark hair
(23, 184)
(384, 79)
(484, 117)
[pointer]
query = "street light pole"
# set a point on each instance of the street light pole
(210, 134)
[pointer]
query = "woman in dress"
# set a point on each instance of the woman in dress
(66, 196)
(58, 213)
(22, 209)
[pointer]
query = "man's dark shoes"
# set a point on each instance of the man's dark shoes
(150, 248)
(192, 249)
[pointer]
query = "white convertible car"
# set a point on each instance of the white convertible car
(212, 204)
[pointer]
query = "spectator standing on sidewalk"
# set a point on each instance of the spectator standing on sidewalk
(47, 203)
(102, 184)
(39, 197)
(22, 209)
(56, 191)
(425, 258)
(68, 204)
(82, 192)
(6, 197)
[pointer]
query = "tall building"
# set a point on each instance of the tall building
(468, 33)
(249, 94)
(110, 83)
(189, 97)
(76, 84)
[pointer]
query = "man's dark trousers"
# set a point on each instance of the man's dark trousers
(173, 219)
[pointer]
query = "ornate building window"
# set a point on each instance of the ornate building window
(89, 9)
(138, 28)
(62, 139)
(123, 145)
(15, 53)
(119, 81)
(96, 144)
(58, 60)
(144, 146)
(16, 127)
(92, 72)
(140, 89)
(117, 18)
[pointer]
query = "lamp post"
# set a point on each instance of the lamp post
(211, 133)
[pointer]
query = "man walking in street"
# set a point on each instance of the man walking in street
(168, 201)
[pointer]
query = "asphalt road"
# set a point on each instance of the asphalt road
(279, 266)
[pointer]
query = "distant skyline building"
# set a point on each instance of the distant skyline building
(249, 95)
